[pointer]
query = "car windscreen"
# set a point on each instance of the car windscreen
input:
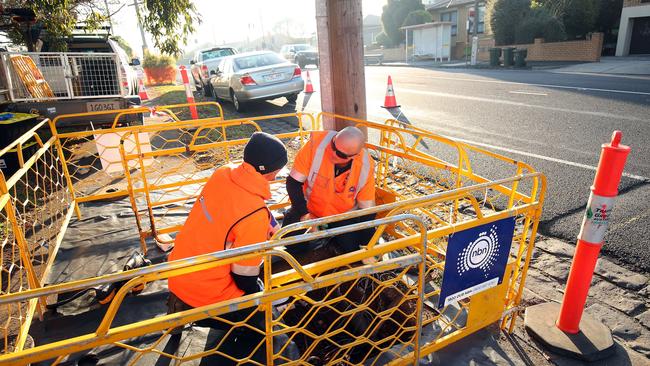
(207, 55)
(264, 59)
(302, 47)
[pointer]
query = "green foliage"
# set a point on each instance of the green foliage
(124, 44)
(393, 15)
(539, 23)
(168, 22)
(153, 60)
(417, 17)
(505, 17)
(384, 40)
(579, 17)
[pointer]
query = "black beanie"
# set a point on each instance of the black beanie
(265, 152)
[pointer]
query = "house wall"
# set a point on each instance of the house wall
(460, 41)
(587, 50)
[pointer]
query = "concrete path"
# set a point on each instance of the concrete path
(612, 65)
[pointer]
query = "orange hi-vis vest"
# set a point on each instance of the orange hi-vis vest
(229, 212)
(327, 194)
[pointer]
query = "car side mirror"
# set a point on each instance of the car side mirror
(192, 62)
(135, 62)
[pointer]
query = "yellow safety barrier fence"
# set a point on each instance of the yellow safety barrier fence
(35, 208)
(340, 311)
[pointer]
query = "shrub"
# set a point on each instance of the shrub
(539, 23)
(384, 40)
(153, 61)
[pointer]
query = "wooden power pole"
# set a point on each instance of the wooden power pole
(340, 45)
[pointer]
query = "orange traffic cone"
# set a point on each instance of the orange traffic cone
(309, 88)
(142, 91)
(390, 101)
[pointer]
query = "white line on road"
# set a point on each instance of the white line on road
(542, 157)
(527, 92)
(520, 104)
(540, 85)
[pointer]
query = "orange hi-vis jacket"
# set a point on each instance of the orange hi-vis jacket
(229, 213)
(326, 194)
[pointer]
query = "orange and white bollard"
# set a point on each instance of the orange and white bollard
(565, 328)
(188, 91)
(142, 91)
(592, 232)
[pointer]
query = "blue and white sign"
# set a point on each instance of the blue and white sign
(476, 260)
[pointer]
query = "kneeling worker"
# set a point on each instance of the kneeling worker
(332, 174)
(229, 213)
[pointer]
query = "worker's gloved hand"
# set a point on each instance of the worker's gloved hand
(273, 227)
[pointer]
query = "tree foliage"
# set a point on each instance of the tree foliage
(505, 17)
(539, 23)
(393, 15)
(52, 21)
(124, 44)
(417, 17)
(579, 17)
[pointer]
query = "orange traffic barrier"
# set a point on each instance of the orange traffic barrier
(564, 328)
(592, 232)
(309, 88)
(390, 101)
(188, 91)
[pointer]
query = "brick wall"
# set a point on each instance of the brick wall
(587, 50)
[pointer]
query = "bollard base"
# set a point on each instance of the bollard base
(593, 342)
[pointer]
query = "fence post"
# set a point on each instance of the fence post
(188, 91)
(563, 328)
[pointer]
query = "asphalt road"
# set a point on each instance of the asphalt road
(555, 122)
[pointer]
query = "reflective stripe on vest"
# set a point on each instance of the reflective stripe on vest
(365, 172)
(318, 160)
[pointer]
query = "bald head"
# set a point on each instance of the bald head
(350, 140)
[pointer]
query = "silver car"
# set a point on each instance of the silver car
(258, 75)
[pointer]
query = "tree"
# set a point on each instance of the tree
(580, 17)
(539, 23)
(393, 15)
(51, 21)
(505, 17)
(417, 17)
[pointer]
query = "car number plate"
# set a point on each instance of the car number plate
(273, 77)
(102, 106)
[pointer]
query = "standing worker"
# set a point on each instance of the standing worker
(229, 213)
(332, 174)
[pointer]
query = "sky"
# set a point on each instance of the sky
(230, 21)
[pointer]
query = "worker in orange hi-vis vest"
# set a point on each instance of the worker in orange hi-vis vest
(333, 173)
(230, 212)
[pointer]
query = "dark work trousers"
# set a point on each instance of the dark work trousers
(240, 342)
(343, 243)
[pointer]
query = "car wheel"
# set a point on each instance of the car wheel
(292, 98)
(208, 91)
(239, 106)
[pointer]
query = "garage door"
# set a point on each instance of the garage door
(640, 42)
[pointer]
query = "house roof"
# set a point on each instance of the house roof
(442, 4)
